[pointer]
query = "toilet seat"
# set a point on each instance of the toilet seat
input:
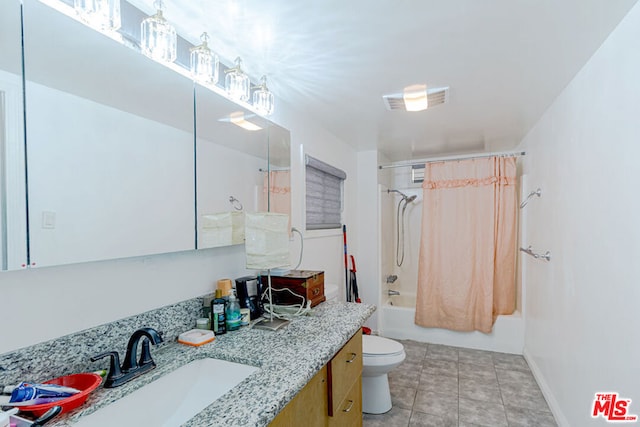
(374, 346)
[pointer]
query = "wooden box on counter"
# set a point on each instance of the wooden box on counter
(306, 283)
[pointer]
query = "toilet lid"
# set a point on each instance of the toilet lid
(373, 345)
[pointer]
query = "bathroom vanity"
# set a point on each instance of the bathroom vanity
(309, 370)
(333, 397)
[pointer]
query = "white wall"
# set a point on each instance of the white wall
(367, 260)
(42, 304)
(582, 317)
(323, 249)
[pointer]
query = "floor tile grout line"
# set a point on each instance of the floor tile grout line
(495, 369)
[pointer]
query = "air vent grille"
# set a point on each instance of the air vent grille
(436, 96)
(417, 174)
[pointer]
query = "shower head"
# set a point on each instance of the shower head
(411, 198)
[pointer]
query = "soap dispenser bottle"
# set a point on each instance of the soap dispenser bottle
(232, 313)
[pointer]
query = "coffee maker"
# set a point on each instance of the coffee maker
(248, 290)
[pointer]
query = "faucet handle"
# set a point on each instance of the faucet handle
(114, 366)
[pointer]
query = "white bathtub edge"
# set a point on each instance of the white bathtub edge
(507, 335)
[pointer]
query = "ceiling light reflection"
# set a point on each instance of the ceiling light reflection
(238, 119)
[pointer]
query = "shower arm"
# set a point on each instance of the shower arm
(537, 192)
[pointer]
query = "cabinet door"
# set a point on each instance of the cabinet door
(309, 407)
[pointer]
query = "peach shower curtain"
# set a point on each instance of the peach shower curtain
(466, 272)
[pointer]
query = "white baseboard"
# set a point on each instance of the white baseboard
(556, 411)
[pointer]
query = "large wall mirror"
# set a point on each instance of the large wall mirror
(109, 145)
(238, 156)
(13, 228)
(110, 137)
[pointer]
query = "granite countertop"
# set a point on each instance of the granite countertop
(287, 359)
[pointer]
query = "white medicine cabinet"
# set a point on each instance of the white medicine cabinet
(124, 155)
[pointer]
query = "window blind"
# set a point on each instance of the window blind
(324, 194)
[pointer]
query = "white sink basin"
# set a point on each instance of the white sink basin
(174, 398)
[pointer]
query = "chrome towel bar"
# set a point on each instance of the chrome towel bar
(529, 251)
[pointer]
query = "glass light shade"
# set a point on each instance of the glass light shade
(204, 63)
(266, 240)
(159, 40)
(263, 99)
(236, 83)
(101, 14)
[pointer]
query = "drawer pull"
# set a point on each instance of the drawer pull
(353, 357)
(316, 292)
(349, 408)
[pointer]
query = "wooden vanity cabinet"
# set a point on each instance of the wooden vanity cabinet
(333, 397)
(309, 407)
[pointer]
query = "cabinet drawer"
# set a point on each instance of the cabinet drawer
(344, 369)
(349, 412)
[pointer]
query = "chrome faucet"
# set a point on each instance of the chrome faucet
(391, 292)
(130, 369)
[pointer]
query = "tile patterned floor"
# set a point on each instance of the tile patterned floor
(442, 386)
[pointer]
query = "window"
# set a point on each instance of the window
(324, 195)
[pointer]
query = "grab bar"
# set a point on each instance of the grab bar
(537, 192)
(529, 251)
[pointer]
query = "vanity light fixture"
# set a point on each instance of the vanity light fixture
(204, 62)
(236, 82)
(415, 98)
(159, 40)
(263, 100)
(103, 15)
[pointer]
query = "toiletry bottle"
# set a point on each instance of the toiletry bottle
(25, 391)
(218, 306)
(234, 318)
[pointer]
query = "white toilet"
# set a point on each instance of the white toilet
(379, 356)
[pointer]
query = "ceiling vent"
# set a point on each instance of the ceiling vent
(435, 96)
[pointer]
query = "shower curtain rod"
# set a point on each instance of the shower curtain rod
(459, 157)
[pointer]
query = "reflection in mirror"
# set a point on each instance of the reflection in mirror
(110, 146)
(278, 179)
(13, 227)
(232, 162)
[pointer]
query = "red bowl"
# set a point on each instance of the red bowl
(86, 383)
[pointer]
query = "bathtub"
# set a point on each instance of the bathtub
(397, 315)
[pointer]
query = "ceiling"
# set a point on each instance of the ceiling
(505, 61)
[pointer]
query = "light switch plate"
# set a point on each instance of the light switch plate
(48, 219)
